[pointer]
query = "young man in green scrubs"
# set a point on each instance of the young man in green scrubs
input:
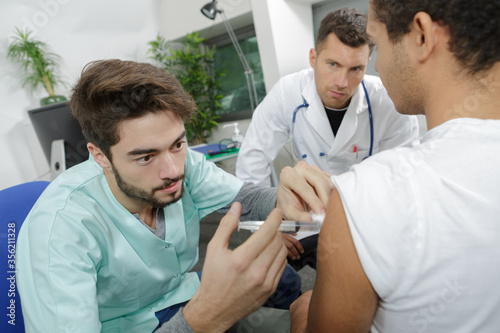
(110, 244)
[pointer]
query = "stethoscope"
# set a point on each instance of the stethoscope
(321, 154)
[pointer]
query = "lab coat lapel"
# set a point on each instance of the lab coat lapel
(349, 124)
(315, 114)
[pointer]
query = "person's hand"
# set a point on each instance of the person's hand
(235, 283)
(299, 312)
(293, 246)
(303, 188)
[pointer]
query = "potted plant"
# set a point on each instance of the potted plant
(194, 67)
(39, 63)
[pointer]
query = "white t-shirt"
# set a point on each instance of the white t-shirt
(426, 226)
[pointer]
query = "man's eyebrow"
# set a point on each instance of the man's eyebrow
(180, 137)
(359, 66)
(341, 65)
(144, 151)
(141, 151)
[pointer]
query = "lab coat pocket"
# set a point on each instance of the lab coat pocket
(352, 158)
(342, 162)
(358, 156)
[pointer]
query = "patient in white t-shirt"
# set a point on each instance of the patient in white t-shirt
(411, 239)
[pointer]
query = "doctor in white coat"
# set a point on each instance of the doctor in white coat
(325, 108)
(336, 115)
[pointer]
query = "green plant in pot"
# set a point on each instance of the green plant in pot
(194, 67)
(39, 63)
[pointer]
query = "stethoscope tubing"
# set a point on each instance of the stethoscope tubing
(370, 115)
(305, 105)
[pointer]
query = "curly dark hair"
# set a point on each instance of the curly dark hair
(348, 24)
(110, 91)
(474, 26)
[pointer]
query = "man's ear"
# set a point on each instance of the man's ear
(99, 156)
(424, 36)
(312, 57)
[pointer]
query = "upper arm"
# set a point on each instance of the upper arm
(343, 299)
(57, 280)
(264, 138)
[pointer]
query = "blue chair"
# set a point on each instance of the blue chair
(15, 204)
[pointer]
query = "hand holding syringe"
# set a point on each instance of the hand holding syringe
(287, 226)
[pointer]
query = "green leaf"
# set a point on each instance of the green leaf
(38, 62)
(193, 66)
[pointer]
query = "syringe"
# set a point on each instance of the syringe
(286, 226)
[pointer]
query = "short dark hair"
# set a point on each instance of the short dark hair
(110, 91)
(348, 24)
(473, 25)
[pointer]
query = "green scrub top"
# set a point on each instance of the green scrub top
(86, 264)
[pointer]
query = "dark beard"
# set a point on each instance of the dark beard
(142, 195)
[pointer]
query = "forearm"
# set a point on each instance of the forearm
(257, 202)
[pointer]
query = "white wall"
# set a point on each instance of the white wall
(79, 31)
(82, 31)
(181, 17)
(285, 35)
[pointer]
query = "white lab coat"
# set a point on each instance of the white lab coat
(271, 127)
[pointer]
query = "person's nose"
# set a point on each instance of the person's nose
(341, 79)
(169, 168)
